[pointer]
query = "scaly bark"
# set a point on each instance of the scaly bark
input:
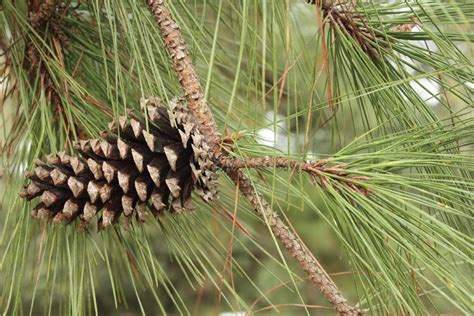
(321, 174)
(293, 244)
(182, 63)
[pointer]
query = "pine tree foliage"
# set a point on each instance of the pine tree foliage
(351, 82)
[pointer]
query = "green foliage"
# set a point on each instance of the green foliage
(266, 66)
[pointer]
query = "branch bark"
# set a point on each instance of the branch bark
(186, 73)
(293, 244)
(44, 18)
(182, 64)
(321, 174)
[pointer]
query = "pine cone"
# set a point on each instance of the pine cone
(158, 162)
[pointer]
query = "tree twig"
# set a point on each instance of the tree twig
(184, 68)
(44, 20)
(182, 64)
(293, 244)
(321, 174)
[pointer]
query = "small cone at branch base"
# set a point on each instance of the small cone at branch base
(159, 164)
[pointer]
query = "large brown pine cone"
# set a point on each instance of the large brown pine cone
(158, 162)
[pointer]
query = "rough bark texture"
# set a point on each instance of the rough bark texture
(343, 16)
(183, 66)
(280, 162)
(321, 174)
(293, 244)
(182, 63)
(45, 18)
(40, 12)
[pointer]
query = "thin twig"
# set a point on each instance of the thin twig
(316, 169)
(184, 68)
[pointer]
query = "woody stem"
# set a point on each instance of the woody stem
(193, 92)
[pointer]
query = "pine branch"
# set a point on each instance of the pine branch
(184, 68)
(293, 244)
(317, 170)
(40, 12)
(343, 16)
(175, 45)
(39, 15)
(43, 16)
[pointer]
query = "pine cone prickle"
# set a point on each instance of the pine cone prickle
(158, 161)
